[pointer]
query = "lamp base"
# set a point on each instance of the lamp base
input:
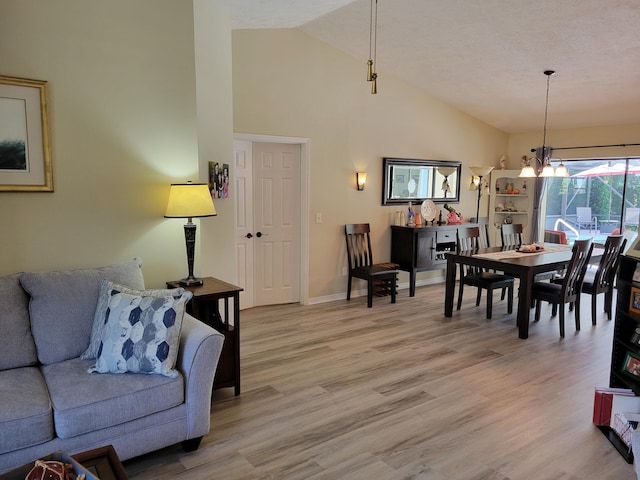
(190, 282)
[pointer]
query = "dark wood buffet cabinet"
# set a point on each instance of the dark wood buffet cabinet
(417, 249)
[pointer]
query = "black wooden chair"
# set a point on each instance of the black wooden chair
(468, 239)
(360, 257)
(568, 291)
(601, 278)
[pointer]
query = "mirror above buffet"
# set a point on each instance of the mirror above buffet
(411, 180)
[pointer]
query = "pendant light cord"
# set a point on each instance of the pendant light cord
(375, 39)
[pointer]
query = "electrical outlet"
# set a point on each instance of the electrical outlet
(344, 271)
(318, 217)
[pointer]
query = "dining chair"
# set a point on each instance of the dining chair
(511, 234)
(360, 258)
(569, 290)
(555, 236)
(469, 239)
(600, 278)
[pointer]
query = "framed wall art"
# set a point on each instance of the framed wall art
(634, 301)
(631, 365)
(219, 179)
(25, 151)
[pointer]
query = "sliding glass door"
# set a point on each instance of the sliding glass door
(600, 197)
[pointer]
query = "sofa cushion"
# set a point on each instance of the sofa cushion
(25, 416)
(63, 303)
(17, 348)
(84, 402)
(142, 332)
(107, 289)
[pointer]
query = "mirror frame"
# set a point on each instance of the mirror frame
(389, 162)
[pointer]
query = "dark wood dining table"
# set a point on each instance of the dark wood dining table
(524, 266)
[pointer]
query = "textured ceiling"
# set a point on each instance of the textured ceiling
(487, 57)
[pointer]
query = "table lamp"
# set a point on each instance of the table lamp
(188, 200)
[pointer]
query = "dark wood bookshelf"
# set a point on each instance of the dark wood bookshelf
(625, 324)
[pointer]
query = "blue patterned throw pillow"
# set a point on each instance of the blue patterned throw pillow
(101, 315)
(142, 333)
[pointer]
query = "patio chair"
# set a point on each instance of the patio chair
(381, 275)
(584, 217)
(631, 217)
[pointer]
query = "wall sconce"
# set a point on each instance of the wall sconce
(361, 180)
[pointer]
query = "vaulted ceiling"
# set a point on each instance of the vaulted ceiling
(486, 57)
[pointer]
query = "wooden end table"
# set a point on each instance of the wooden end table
(205, 307)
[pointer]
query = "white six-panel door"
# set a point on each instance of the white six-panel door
(267, 181)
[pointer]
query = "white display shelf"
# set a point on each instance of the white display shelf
(521, 201)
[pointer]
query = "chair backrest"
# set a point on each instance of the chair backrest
(511, 234)
(358, 245)
(583, 214)
(606, 272)
(572, 283)
(555, 236)
(468, 238)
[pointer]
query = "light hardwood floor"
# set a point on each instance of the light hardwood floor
(341, 391)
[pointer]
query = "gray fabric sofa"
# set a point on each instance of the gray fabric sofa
(49, 401)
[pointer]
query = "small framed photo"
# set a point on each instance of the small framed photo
(634, 301)
(631, 366)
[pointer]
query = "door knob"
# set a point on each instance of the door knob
(248, 235)
(259, 234)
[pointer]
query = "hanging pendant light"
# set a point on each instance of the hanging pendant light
(372, 76)
(547, 169)
(561, 170)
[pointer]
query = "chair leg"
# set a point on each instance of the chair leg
(577, 312)
(594, 301)
(489, 302)
(561, 321)
(393, 289)
(554, 310)
(510, 299)
(537, 315)
(349, 288)
(608, 299)
(460, 290)
(478, 296)
(370, 293)
(504, 290)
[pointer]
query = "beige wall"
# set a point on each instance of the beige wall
(286, 83)
(140, 97)
(123, 121)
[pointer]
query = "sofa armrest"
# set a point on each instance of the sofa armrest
(200, 349)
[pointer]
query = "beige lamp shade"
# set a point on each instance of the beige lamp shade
(188, 200)
(481, 171)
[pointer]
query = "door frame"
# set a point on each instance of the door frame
(304, 199)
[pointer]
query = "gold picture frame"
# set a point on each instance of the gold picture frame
(25, 147)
